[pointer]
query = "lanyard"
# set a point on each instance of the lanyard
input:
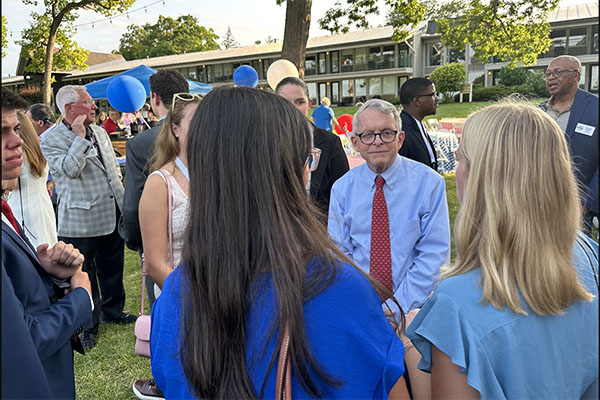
(182, 167)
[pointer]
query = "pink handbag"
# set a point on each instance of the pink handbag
(143, 323)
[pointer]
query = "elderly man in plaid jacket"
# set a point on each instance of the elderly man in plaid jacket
(90, 193)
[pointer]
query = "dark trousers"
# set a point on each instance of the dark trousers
(104, 265)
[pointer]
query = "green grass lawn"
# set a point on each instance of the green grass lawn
(456, 110)
(109, 369)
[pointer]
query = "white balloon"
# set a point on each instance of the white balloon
(280, 69)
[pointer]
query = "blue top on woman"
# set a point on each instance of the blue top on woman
(508, 355)
(346, 328)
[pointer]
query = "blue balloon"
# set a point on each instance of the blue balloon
(126, 94)
(245, 75)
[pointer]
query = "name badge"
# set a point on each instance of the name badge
(584, 129)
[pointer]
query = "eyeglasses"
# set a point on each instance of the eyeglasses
(184, 97)
(313, 159)
(386, 136)
(434, 94)
(88, 102)
(558, 72)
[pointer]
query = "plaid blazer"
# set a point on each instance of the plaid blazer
(88, 191)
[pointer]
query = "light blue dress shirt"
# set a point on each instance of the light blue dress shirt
(513, 356)
(418, 218)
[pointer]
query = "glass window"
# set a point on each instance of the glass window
(312, 91)
(387, 58)
(360, 59)
(347, 88)
(456, 55)
(193, 75)
(266, 63)
(227, 72)
(210, 76)
(389, 86)
(401, 80)
(310, 65)
(361, 87)
(375, 87)
(200, 74)
(322, 63)
(256, 65)
(335, 61)
(577, 41)
(433, 54)
(559, 41)
(374, 57)
(218, 68)
(594, 78)
(335, 92)
(404, 59)
(347, 60)
(594, 38)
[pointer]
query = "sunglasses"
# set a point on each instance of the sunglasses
(313, 159)
(184, 97)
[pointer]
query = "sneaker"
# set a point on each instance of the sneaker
(146, 389)
(88, 340)
(123, 319)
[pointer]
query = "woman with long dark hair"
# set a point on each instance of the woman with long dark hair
(256, 260)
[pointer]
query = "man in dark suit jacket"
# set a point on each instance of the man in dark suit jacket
(163, 85)
(419, 99)
(576, 112)
(53, 291)
(333, 162)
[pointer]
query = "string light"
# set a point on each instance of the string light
(92, 23)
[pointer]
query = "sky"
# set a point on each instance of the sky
(250, 20)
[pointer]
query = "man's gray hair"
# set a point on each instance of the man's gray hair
(384, 107)
(68, 94)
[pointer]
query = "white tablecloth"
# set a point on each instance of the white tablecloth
(446, 144)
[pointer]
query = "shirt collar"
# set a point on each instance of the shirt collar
(88, 130)
(390, 175)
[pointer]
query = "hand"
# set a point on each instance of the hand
(61, 261)
(50, 187)
(77, 125)
(80, 279)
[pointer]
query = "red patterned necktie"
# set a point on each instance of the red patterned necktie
(9, 215)
(380, 266)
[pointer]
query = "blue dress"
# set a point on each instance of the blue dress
(508, 355)
(345, 326)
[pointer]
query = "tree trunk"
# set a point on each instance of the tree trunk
(295, 37)
(47, 84)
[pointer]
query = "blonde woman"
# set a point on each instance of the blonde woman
(30, 200)
(517, 315)
(170, 154)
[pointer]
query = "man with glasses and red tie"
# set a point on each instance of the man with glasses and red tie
(419, 99)
(576, 112)
(390, 215)
(90, 193)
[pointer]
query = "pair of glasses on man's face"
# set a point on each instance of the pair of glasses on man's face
(184, 97)
(312, 161)
(386, 136)
(557, 72)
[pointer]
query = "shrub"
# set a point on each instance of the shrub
(480, 80)
(481, 93)
(32, 94)
(448, 79)
(512, 76)
(536, 80)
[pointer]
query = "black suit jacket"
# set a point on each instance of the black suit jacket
(414, 146)
(52, 321)
(332, 165)
(137, 152)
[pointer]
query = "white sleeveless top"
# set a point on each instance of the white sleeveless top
(179, 220)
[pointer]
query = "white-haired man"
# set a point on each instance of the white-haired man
(390, 215)
(576, 112)
(90, 192)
